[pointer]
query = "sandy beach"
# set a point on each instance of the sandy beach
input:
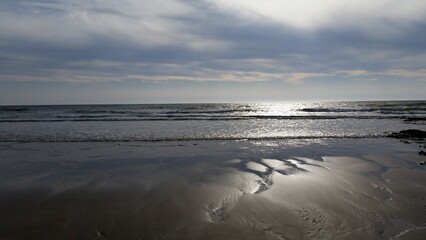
(212, 120)
(281, 189)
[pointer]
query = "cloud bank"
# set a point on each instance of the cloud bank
(294, 42)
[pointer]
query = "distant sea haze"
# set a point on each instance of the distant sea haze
(176, 122)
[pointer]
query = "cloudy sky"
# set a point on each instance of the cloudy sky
(134, 51)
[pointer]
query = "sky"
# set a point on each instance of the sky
(162, 51)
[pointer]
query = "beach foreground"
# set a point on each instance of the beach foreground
(268, 189)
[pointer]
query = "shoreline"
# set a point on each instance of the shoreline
(384, 135)
(253, 189)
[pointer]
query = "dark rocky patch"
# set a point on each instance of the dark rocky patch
(409, 134)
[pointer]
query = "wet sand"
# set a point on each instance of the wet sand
(281, 189)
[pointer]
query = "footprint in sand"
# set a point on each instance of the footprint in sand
(270, 229)
(316, 222)
(217, 212)
(120, 219)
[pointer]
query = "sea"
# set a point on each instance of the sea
(221, 121)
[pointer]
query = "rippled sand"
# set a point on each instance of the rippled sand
(304, 189)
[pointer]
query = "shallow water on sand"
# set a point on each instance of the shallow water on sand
(275, 189)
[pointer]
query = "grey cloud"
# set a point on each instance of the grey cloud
(207, 43)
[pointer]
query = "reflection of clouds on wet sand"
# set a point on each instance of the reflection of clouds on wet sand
(331, 197)
(264, 169)
(251, 177)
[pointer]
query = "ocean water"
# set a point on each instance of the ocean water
(175, 122)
